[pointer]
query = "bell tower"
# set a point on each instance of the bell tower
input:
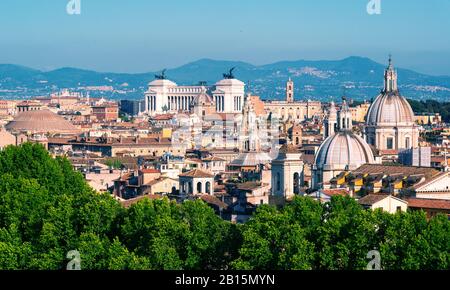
(290, 91)
(345, 117)
(330, 122)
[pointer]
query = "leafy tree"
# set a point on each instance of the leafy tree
(272, 242)
(114, 163)
(47, 210)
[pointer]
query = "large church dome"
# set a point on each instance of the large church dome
(390, 109)
(40, 121)
(343, 151)
(390, 121)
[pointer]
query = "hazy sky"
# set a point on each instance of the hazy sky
(147, 35)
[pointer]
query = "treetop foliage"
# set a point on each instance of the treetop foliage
(47, 210)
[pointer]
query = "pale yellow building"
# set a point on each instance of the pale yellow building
(387, 203)
(359, 112)
(428, 119)
(291, 109)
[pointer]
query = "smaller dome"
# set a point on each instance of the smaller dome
(162, 83)
(203, 99)
(390, 109)
(343, 151)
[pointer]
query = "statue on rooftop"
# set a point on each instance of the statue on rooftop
(161, 76)
(229, 75)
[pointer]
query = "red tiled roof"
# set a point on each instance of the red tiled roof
(211, 199)
(428, 203)
(372, 169)
(162, 117)
(197, 173)
(371, 199)
(250, 185)
(389, 152)
(150, 171)
(213, 158)
(333, 192)
(130, 202)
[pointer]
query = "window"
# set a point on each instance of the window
(296, 183)
(390, 143)
(278, 181)
(399, 208)
(407, 143)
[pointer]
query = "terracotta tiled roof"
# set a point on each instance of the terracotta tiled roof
(197, 173)
(130, 202)
(213, 158)
(428, 203)
(156, 181)
(437, 159)
(164, 117)
(371, 199)
(150, 171)
(211, 199)
(396, 170)
(333, 192)
(389, 152)
(250, 185)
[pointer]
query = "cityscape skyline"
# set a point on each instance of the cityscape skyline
(134, 38)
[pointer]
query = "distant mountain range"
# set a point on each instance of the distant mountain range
(357, 77)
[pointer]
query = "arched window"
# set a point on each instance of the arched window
(208, 187)
(199, 187)
(296, 183)
(407, 143)
(297, 141)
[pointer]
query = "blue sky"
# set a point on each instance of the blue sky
(147, 35)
